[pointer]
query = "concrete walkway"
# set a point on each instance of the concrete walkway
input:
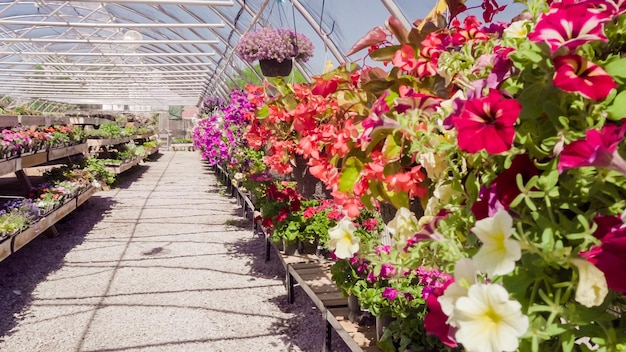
(163, 263)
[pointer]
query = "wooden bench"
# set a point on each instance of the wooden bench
(313, 276)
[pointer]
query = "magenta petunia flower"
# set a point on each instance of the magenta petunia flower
(436, 320)
(390, 293)
(571, 25)
(576, 74)
(599, 149)
(487, 123)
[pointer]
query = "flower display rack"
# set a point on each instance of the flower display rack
(127, 165)
(312, 274)
(29, 160)
(12, 244)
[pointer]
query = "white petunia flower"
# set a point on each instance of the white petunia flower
(517, 29)
(464, 277)
(592, 287)
(403, 226)
(342, 240)
(435, 164)
(488, 321)
(498, 253)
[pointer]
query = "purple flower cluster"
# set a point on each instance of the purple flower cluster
(220, 135)
(212, 103)
(278, 44)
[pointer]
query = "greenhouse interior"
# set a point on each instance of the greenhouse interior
(291, 175)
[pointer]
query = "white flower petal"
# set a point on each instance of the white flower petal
(488, 321)
(342, 240)
(498, 253)
(592, 287)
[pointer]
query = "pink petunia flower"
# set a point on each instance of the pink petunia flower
(487, 123)
(405, 58)
(576, 74)
(599, 149)
(570, 25)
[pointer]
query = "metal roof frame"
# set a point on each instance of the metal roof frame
(57, 53)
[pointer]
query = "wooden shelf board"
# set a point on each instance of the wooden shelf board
(5, 249)
(124, 167)
(99, 142)
(33, 159)
(59, 153)
(83, 197)
(9, 166)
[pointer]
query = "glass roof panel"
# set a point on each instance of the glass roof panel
(145, 52)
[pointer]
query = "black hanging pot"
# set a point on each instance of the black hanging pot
(273, 68)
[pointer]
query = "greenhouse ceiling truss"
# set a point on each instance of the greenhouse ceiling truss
(149, 53)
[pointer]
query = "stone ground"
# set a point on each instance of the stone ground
(163, 262)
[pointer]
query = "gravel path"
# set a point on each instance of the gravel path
(165, 262)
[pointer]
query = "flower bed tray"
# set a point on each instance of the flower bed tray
(8, 120)
(5, 248)
(59, 153)
(124, 167)
(9, 166)
(28, 120)
(32, 160)
(313, 275)
(83, 197)
(85, 121)
(21, 239)
(99, 142)
(357, 337)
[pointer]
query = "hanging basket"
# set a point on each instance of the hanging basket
(273, 68)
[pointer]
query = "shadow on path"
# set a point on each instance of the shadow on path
(21, 272)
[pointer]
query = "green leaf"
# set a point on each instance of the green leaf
(384, 54)
(377, 86)
(391, 149)
(289, 102)
(346, 98)
(617, 69)
(399, 199)
(263, 112)
(618, 109)
(350, 174)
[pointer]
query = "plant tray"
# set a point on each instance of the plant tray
(124, 167)
(9, 166)
(5, 248)
(59, 153)
(83, 197)
(21, 239)
(93, 142)
(32, 160)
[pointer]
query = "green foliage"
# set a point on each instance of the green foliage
(98, 168)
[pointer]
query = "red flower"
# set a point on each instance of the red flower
(504, 188)
(324, 88)
(609, 255)
(405, 58)
(487, 123)
(576, 74)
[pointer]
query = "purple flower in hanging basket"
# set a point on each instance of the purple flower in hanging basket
(274, 44)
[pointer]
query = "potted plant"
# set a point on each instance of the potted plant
(275, 49)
